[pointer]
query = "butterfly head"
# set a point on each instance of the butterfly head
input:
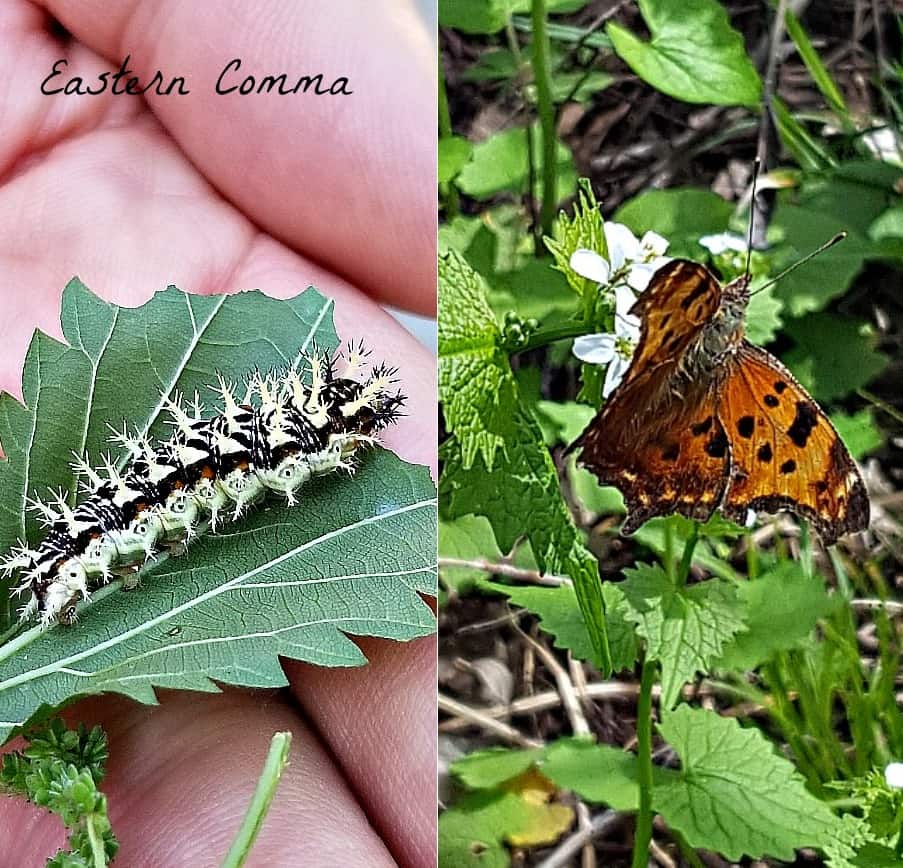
(724, 330)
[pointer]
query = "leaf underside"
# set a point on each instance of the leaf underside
(353, 557)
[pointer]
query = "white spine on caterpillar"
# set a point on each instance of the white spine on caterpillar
(210, 470)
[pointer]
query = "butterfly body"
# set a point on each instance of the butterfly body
(704, 420)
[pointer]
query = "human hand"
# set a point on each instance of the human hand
(219, 193)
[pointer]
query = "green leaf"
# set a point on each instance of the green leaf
(496, 463)
(859, 431)
(585, 229)
(500, 164)
(598, 773)
(812, 285)
(497, 64)
(474, 832)
(653, 534)
(560, 614)
(474, 16)
(454, 152)
(888, 225)
(580, 85)
(684, 212)
(815, 361)
(763, 316)
(876, 856)
(467, 538)
(533, 290)
(289, 581)
(782, 608)
(487, 769)
(565, 421)
(735, 795)
(694, 55)
(476, 392)
(685, 629)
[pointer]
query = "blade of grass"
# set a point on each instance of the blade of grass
(276, 761)
(817, 69)
(806, 151)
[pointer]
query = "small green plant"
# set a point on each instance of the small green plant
(60, 769)
(771, 630)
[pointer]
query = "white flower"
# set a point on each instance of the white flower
(893, 774)
(723, 242)
(627, 271)
(884, 144)
(632, 261)
(614, 350)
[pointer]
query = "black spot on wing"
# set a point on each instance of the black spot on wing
(788, 466)
(745, 426)
(780, 386)
(764, 454)
(717, 445)
(771, 400)
(803, 423)
(702, 427)
(671, 452)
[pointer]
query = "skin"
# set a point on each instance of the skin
(221, 193)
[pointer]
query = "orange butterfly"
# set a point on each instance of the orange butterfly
(704, 420)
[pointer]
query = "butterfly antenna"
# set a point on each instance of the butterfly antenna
(757, 163)
(835, 240)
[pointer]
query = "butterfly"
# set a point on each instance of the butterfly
(703, 420)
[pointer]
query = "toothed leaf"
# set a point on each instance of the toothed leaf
(352, 558)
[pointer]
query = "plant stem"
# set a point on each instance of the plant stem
(98, 854)
(643, 834)
(276, 761)
(449, 190)
(686, 561)
(542, 76)
(542, 337)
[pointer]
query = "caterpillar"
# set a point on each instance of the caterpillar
(306, 420)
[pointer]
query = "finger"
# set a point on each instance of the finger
(349, 180)
(202, 245)
(387, 746)
(180, 777)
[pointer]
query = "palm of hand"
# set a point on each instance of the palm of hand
(213, 194)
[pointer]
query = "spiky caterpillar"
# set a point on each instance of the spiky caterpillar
(290, 426)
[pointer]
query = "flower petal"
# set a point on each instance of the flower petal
(653, 243)
(595, 349)
(893, 774)
(622, 245)
(723, 242)
(589, 264)
(614, 375)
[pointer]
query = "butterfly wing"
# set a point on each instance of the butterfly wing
(676, 461)
(681, 297)
(785, 453)
(665, 454)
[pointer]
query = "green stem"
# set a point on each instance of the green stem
(276, 761)
(542, 76)
(643, 835)
(683, 571)
(542, 337)
(98, 854)
(448, 190)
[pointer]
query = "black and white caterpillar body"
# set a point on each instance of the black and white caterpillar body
(291, 425)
